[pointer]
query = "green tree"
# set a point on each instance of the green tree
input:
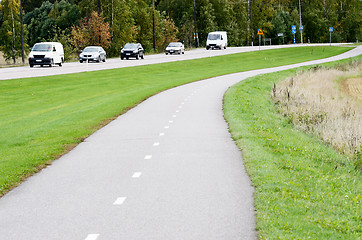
(10, 37)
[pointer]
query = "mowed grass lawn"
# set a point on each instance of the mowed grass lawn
(303, 188)
(42, 118)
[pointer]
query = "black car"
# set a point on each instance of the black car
(132, 50)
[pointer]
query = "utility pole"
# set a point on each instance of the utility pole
(22, 31)
(300, 23)
(153, 17)
(99, 7)
(251, 22)
(195, 35)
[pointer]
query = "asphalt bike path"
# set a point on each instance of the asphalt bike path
(166, 169)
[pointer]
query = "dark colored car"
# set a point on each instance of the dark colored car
(134, 50)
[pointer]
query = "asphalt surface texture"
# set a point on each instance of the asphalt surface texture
(166, 169)
(75, 67)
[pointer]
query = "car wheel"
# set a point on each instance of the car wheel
(127, 58)
(166, 53)
(51, 63)
(104, 59)
(137, 56)
(31, 65)
(143, 55)
(60, 64)
(81, 61)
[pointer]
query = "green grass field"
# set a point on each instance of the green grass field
(303, 188)
(42, 118)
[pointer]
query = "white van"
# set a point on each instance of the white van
(46, 53)
(217, 40)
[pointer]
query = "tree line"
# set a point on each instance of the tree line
(112, 23)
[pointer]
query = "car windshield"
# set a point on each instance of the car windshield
(173, 45)
(131, 46)
(42, 48)
(213, 36)
(90, 49)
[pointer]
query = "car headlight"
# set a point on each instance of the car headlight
(122, 51)
(135, 51)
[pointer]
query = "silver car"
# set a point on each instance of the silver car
(93, 53)
(175, 47)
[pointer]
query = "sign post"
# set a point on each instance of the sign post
(260, 32)
(330, 36)
(301, 33)
(294, 31)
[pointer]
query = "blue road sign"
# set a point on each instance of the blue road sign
(294, 31)
(330, 29)
(301, 27)
(294, 27)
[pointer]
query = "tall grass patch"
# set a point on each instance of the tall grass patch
(304, 189)
(314, 102)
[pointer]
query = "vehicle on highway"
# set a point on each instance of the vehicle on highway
(132, 50)
(93, 53)
(175, 47)
(217, 40)
(46, 53)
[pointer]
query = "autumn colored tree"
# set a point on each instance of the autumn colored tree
(92, 31)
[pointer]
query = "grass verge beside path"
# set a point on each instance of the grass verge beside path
(303, 188)
(42, 118)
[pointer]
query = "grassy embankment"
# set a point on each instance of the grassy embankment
(304, 188)
(42, 118)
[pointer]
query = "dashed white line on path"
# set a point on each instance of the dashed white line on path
(119, 201)
(162, 134)
(92, 237)
(136, 174)
(148, 156)
(156, 144)
(167, 127)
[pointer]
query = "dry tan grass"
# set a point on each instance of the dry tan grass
(4, 63)
(326, 102)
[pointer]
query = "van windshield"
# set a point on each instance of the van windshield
(213, 36)
(42, 47)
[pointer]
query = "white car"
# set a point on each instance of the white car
(175, 47)
(46, 53)
(93, 53)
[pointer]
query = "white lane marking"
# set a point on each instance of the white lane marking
(174, 116)
(156, 144)
(119, 201)
(148, 156)
(162, 134)
(167, 127)
(93, 236)
(177, 111)
(136, 174)
(170, 121)
(182, 103)
(180, 107)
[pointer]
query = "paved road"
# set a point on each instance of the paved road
(166, 169)
(75, 67)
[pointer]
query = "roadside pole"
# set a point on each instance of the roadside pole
(330, 36)
(260, 32)
(294, 31)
